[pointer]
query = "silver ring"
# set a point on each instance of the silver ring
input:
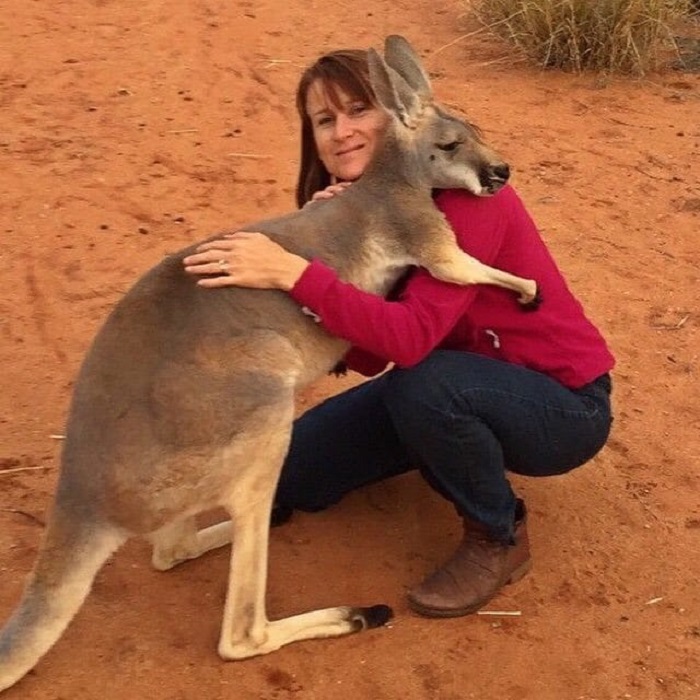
(223, 265)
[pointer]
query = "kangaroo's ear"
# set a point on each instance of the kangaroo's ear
(399, 54)
(391, 90)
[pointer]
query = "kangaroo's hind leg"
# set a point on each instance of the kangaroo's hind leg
(246, 630)
(181, 540)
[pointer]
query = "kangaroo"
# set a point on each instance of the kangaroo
(185, 399)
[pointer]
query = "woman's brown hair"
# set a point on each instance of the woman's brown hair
(345, 70)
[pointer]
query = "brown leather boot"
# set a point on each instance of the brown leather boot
(474, 574)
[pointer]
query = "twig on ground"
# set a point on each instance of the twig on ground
(481, 30)
(275, 61)
(15, 470)
(456, 41)
(24, 513)
(503, 613)
(624, 123)
(671, 326)
(247, 155)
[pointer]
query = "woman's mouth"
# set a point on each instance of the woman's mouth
(348, 151)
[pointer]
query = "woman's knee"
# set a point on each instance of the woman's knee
(416, 394)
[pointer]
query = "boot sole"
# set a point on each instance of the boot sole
(427, 611)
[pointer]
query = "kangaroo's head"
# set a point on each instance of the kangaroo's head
(446, 152)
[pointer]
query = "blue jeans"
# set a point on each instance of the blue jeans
(463, 419)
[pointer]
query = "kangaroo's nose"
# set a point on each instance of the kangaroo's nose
(502, 172)
(493, 177)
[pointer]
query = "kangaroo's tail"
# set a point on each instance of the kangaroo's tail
(73, 551)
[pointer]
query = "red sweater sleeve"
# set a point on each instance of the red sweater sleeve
(404, 331)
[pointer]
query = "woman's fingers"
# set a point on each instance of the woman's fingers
(216, 251)
(213, 265)
(218, 267)
(229, 241)
(244, 235)
(210, 256)
(219, 244)
(213, 282)
(330, 191)
(245, 258)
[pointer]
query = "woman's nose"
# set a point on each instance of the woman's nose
(343, 126)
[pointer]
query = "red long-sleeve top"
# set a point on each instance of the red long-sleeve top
(557, 339)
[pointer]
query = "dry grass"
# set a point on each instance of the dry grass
(616, 36)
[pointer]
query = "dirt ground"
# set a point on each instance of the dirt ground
(130, 129)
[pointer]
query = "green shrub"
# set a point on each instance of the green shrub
(617, 36)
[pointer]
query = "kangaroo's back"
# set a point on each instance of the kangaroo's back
(167, 325)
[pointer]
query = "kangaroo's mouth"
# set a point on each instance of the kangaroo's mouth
(494, 186)
(493, 178)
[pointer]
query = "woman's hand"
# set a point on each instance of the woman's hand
(330, 191)
(245, 259)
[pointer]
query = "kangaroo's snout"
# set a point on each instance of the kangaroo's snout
(493, 177)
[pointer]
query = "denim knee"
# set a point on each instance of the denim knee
(412, 395)
(408, 396)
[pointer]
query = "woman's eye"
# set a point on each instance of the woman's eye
(452, 146)
(322, 121)
(357, 109)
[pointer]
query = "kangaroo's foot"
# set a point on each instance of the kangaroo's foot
(265, 636)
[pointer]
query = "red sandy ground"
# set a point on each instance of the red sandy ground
(130, 129)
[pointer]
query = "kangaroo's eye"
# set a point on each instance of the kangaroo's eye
(452, 146)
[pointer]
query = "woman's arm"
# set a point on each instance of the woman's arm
(402, 331)
(406, 330)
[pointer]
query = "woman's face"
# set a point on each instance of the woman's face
(346, 136)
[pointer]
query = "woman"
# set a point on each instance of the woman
(478, 387)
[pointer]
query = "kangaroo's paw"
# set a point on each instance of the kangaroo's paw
(531, 300)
